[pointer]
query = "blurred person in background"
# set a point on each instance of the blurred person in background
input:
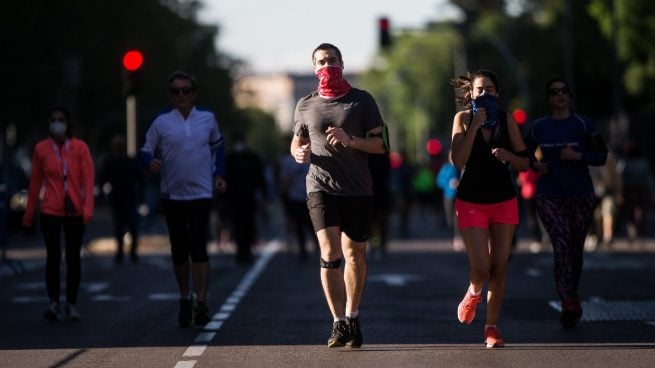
(244, 173)
(125, 178)
(185, 146)
(607, 185)
(292, 179)
(527, 183)
(485, 142)
(638, 189)
(62, 185)
(380, 167)
(448, 180)
(568, 143)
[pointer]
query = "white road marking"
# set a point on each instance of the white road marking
(194, 351)
(213, 325)
(110, 298)
(185, 364)
(394, 279)
(596, 309)
(29, 299)
(229, 305)
(221, 316)
(205, 337)
(164, 296)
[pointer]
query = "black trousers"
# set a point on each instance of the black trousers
(73, 227)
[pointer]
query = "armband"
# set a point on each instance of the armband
(523, 153)
(384, 134)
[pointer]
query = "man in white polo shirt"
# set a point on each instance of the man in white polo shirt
(185, 146)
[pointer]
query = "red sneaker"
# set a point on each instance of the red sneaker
(492, 338)
(466, 308)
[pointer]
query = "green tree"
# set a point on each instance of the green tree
(407, 91)
(630, 27)
(69, 51)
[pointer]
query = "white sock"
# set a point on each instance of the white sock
(340, 319)
(352, 315)
(472, 290)
(487, 326)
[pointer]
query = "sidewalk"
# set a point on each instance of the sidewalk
(98, 241)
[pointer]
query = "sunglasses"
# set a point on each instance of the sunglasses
(557, 91)
(178, 91)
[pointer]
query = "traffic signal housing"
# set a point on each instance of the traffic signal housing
(384, 33)
(132, 62)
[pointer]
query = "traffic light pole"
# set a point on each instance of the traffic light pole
(132, 61)
(130, 107)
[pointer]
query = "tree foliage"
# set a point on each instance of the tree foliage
(630, 26)
(525, 49)
(69, 51)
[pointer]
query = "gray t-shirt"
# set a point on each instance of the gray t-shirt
(336, 169)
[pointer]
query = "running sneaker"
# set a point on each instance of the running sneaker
(355, 332)
(492, 338)
(70, 313)
(52, 312)
(201, 313)
(571, 313)
(185, 314)
(340, 334)
(466, 308)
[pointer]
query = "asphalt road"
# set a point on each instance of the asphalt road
(273, 314)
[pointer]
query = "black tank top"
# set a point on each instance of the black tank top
(484, 178)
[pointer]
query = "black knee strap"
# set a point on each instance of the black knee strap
(334, 264)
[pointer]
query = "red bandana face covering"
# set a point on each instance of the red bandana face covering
(331, 84)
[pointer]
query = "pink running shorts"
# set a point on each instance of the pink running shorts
(481, 215)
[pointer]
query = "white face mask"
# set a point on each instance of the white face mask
(57, 128)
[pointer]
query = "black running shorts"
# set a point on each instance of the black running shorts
(351, 214)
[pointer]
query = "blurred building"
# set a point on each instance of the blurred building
(276, 94)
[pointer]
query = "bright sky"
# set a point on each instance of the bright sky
(279, 35)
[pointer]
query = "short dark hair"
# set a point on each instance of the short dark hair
(327, 46)
(183, 75)
(557, 78)
(62, 109)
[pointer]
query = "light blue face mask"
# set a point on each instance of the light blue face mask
(57, 128)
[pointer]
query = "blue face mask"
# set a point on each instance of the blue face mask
(488, 102)
(57, 128)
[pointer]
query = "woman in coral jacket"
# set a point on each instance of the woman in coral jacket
(62, 183)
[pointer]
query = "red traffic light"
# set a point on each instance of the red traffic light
(132, 60)
(433, 147)
(384, 32)
(384, 23)
(520, 116)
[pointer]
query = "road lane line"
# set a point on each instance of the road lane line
(205, 337)
(194, 350)
(213, 325)
(185, 364)
(229, 305)
(221, 316)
